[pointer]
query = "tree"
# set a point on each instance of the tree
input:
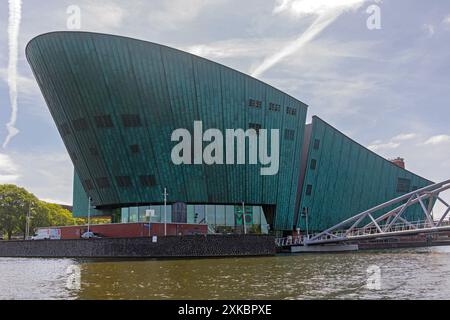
(15, 202)
(58, 216)
(50, 215)
(94, 220)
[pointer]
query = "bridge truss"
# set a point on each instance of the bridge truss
(365, 225)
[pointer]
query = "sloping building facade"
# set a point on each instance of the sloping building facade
(116, 102)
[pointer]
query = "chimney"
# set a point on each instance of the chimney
(400, 162)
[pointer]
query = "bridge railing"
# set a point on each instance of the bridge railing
(392, 221)
(343, 235)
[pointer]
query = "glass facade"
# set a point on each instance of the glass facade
(220, 218)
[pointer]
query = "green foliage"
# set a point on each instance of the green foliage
(255, 229)
(51, 215)
(16, 203)
(84, 221)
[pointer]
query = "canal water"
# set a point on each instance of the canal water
(400, 274)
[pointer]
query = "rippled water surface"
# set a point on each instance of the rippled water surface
(405, 274)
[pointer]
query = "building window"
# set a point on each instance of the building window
(309, 189)
(80, 124)
(255, 126)
(103, 182)
(274, 107)
(74, 156)
(135, 148)
(255, 103)
(403, 185)
(104, 121)
(291, 111)
(313, 164)
(289, 134)
(316, 144)
(88, 184)
(148, 181)
(123, 181)
(65, 129)
(131, 120)
(94, 151)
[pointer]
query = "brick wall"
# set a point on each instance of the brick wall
(165, 247)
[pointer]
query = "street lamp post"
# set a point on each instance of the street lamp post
(305, 215)
(243, 218)
(28, 222)
(165, 211)
(89, 216)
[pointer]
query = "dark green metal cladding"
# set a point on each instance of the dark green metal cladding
(85, 75)
(347, 179)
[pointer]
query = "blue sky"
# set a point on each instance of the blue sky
(387, 89)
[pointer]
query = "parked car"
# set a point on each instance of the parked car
(90, 235)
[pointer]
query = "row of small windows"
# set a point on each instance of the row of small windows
(313, 165)
(255, 103)
(136, 149)
(93, 151)
(309, 189)
(121, 181)
(289, 134)
(404, 185)
(255, 126)
(291, 111)
(65, 129)
(80, 124)
(102, 122)
(131, 120)
(316, 144)
(272, 107)
(134, 120)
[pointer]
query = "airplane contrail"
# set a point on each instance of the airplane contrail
(328, 11)
(15, 15)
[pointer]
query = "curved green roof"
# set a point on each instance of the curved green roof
(117, 100)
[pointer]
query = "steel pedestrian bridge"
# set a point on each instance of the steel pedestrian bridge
(367, 226)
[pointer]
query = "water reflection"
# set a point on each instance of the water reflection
(405, 274)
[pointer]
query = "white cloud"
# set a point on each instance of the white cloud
(325, 11)
(109, 15)
(26, 85)
(393, 143)
(15, 17)
(48, 175)
(390, 145)
(55, 201)
(404, 137)
(436, 140)
(316, 7)
(102, 16)
(175, 12)
(429, 29)
(8, 169)
(446, 20)
(234, 48)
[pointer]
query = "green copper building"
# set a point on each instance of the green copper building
(116, 102)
